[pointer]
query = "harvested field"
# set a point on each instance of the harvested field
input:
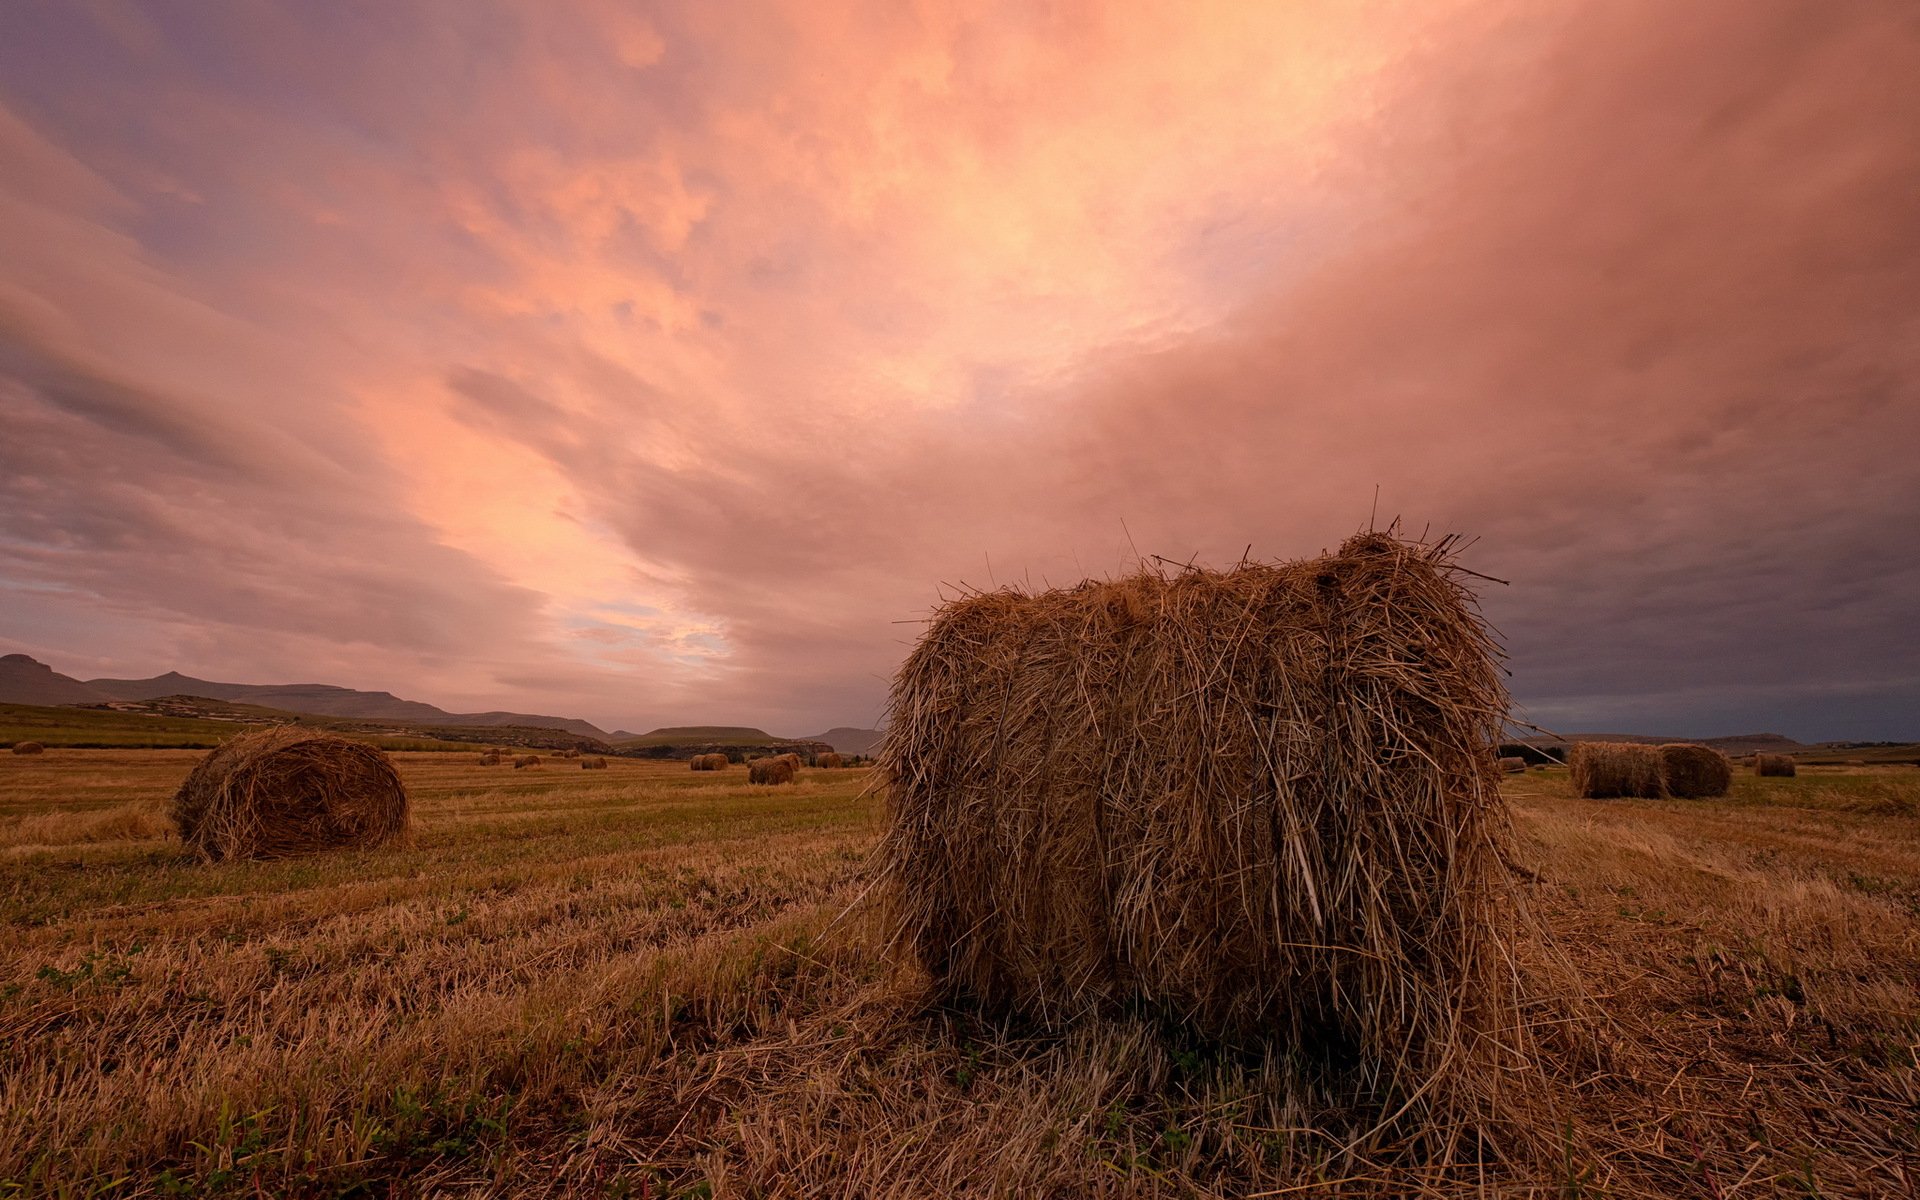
(646, 981)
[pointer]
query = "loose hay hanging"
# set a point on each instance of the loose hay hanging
(1608, 770)
(595, 763)
(29, 748)
(1260, 801)
(1695, 772)
(708, 762)
(1513, 764)
(829, 760)
(289, 790)
(780, 769)
(1774, 764)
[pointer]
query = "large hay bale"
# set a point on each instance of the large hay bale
(1774, 764)
(29, 748)
(1513, 764)
(1608, 770)
(708, 762)
(1259, 801)
(1694, 771)
(289, 790)
(829, 760)
(779, 769)
(596, 763)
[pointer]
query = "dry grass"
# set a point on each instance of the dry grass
(1694, 772)
(649, 982)
(289, 790)
(1610, 770)
(1779, 765)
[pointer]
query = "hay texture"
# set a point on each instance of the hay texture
(1774, 764)
(1513, 765)
(596, 763)
(29, 748)
(708, 762)
(1611, 770)
(289, 790)
(780, 769)
(1694, 772)
(1260, 801)
(829, 760)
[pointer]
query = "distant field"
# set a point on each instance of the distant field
(92, 728)
(650, 981)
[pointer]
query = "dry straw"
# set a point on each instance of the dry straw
(288, 790)
(1260, 801)
(780, 769)
(29, 748)
(595, 763)
(708, 762)
(829, 760)
(1773, 764)
(1695, 772)
(1608, 770)
(1513, 764)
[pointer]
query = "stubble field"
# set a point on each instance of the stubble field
(650, 982)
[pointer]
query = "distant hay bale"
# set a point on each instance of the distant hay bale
(593, 764)
(1607, 770)
(780, 769)
(1258, 801)
(708, 762)
(793, 758)
(1694, 772)
(289, 790)
(526, 760)
(490, 759)
(829, 760)
(29, 748)
(1774, 764)
(1513, 765)
(572, 753)
(1856, 762)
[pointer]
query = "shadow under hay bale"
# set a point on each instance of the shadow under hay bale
(29, 748)
(595, 763)
(829, 760)
(1617, 770)
(1774, 764)
(289, 790)
(1513, 765)
(708, 762)
(780, 769)
(1695, 772)
(1260, 801)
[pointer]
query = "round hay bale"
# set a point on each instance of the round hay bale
(593, 764)
(1856, 762)
(829, 760)
(708, 762)
(526, 760)
(1694, 772)
(29, 748)
(1257, 801)
(490, 759)
(1774, 764)
(1513, 764)
(1610, 770)
(289, 790)
(780, 769)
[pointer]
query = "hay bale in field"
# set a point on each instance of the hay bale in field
(490, 759)
(29, 748)
(708, 762)
(1606, 770)
(289, 790)
(779, 769)
(568, 754)
(829, 760)
(1774, 764)
(1694, 771)
(526, 760)
(593, 764)
(1513, 765)
(1856, 762)
(1260, 800)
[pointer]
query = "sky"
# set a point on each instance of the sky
(667, 363)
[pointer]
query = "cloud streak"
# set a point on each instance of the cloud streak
(655, 366)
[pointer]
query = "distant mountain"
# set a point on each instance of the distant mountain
(1736, 745)
(25, 680)
(682, 735)
(318, 699)
(847, 740)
